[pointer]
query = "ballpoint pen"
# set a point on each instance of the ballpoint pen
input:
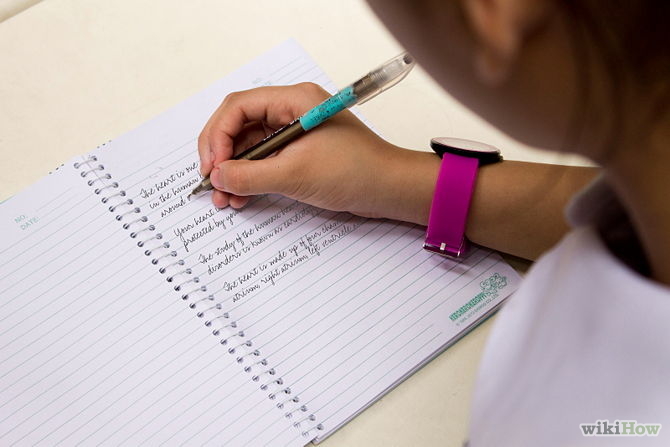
(366, 88)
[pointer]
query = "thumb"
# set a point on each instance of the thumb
(250, 177)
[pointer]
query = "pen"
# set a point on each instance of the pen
(366, 88)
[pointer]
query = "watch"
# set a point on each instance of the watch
(461, 159)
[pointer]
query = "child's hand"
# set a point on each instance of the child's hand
(340, 165)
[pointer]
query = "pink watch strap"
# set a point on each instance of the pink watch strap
(445, 234)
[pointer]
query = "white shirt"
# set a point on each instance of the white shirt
(584, 339)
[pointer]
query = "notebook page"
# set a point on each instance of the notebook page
(95, 345)
(163, 154)
(92, 348)
(340, 307)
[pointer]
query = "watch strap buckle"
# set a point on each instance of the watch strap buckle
(454, 251)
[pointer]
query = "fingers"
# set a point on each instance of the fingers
(222, 199)
(238, 202)
(205, 153)
(274, 106)
(246, 178)
(235, 180)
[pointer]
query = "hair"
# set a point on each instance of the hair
(631, 41)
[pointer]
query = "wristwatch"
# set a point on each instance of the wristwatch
(461, 159)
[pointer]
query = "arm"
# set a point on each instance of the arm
(517, 207)
(343, 166)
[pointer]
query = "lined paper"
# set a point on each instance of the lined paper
(288, 321)
(95, 346)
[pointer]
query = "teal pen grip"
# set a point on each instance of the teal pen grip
(341, 100)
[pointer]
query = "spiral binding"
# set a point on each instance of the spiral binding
(222, 324)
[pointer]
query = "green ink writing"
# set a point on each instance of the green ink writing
(25, 222)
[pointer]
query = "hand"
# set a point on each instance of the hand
(340, 165)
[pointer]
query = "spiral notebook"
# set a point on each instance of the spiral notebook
(130, 315)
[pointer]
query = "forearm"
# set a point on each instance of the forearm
(518, 207)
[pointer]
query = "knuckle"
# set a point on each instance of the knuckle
(313, 90)
(231, 98)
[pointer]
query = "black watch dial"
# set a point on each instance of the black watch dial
(466, 148)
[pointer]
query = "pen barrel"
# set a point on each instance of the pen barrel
(383, 78)
(205, 185)
(276, 140)
(367, 88)
(328, 108)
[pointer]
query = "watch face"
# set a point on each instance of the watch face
(466, 148)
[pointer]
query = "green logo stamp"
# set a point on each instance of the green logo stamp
(490, 288)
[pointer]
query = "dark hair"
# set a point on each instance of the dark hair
(631, 39)
(631, 34)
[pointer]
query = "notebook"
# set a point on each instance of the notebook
(130, 315)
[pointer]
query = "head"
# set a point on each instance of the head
(567, 75)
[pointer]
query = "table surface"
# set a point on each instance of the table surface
(77, 73)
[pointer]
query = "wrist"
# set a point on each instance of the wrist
(406, 185)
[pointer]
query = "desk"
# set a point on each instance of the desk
(77, 73)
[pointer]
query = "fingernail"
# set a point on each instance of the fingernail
(214, 177)
(202, 166)
(211, 162)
